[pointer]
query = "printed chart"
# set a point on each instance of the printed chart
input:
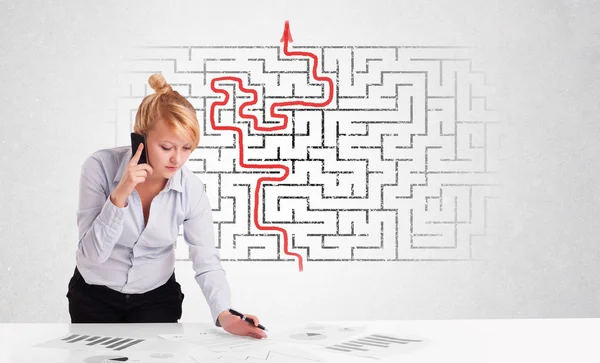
(103, 343)
(377, 346)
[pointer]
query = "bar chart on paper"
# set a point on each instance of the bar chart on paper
(375, 346)
(95, 342)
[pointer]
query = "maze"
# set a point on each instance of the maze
(400, 165)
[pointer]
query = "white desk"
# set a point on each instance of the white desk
(535, 340)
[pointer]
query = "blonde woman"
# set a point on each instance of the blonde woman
(129, 217)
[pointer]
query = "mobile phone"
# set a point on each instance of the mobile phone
(136, 140)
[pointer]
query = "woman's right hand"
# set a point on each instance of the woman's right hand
(134, 174)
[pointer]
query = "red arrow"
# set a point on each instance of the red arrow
(287, 34)
(286, 38)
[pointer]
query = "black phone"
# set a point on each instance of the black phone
(136, 140)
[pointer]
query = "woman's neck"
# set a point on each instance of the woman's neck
(152, 185)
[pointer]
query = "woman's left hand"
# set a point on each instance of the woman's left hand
(236, 325)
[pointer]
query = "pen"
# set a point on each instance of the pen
(245, 318)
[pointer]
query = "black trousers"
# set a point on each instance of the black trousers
(100, 304)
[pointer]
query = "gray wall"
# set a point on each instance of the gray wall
(59, 64)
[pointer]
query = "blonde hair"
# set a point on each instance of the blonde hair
(171, 107)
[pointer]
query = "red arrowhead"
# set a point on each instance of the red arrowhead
(287, 35)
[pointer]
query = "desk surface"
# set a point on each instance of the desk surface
(519, 340)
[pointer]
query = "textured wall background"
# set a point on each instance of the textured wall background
(59, 66)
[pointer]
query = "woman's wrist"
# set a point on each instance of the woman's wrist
(118, 200)
(221, 315)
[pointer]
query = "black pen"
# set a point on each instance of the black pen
(245, 318)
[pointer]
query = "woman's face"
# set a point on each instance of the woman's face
(167, 151)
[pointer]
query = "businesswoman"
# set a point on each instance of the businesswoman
(129, 217)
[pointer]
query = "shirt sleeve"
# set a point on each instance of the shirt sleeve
(198, 233)
(99, 221)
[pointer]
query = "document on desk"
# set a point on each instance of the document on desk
(222, 347)
(351, 340)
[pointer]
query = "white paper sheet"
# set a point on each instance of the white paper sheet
(269, 352)
(216, 341)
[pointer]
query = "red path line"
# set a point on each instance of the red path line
(286, 171)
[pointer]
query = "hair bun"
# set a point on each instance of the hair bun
(159, 84)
